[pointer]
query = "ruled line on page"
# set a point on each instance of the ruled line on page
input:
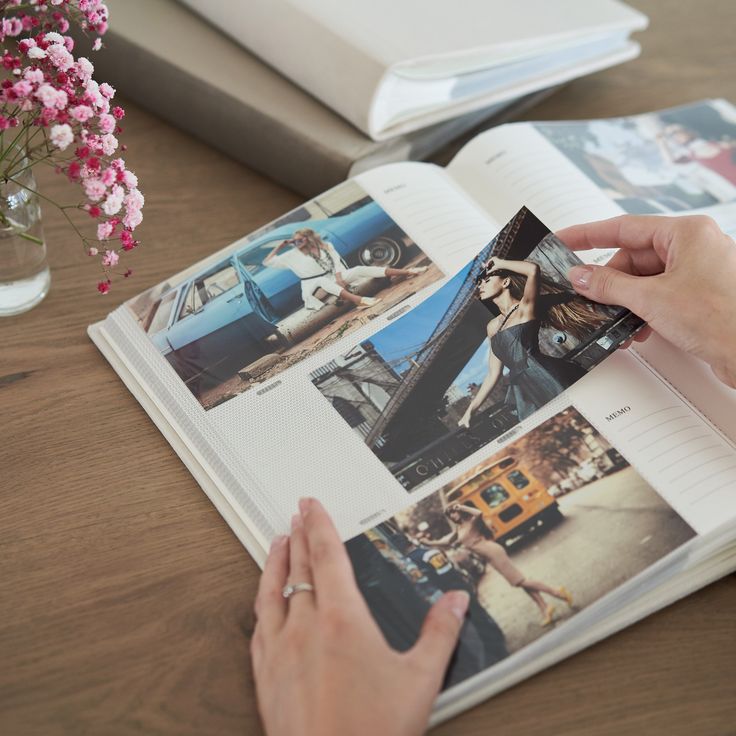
(647, 416)
(660, 424)
(682, 458)
(668, 435)
(697, 469)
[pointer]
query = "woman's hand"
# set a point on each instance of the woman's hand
(677, 273)
(322, 666)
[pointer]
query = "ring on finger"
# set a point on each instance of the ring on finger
(289, 590)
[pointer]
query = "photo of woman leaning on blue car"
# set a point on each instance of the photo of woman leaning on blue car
(265, 302)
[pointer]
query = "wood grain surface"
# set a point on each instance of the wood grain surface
(125, 601)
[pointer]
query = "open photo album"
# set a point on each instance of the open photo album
(407, 348)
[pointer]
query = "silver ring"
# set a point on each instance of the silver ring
(289, 590)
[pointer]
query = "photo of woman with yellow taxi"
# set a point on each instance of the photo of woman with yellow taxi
(558, 514)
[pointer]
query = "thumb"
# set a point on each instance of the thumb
(439, 633)
(610, 286)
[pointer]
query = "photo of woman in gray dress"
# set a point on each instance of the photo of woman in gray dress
(524, 300)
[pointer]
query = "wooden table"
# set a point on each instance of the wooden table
(126, 601)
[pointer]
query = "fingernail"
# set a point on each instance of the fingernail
(459, 600)
(296, 522)
(277, 542)
(580, 276)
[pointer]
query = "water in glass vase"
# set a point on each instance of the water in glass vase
(24, 273)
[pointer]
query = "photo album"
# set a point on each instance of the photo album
(407, 348)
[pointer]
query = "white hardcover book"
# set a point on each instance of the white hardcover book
(390, 68)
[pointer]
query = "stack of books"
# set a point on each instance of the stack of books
(310, 94)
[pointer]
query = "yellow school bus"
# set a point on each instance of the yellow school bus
(510, 498)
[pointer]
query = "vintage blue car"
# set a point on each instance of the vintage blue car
(227, 316)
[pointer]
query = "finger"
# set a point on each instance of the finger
(634, 232)
(440, 631)
(637, 262)
(270, 606)
(334, 579)
(609, 286)
(299, 567)
(643, 334)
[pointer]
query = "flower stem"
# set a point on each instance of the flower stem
(5, 220)
(56, 204)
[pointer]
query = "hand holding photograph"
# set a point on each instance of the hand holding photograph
(488, 349)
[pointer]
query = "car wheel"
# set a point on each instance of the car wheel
(384, 252)
(552, 515)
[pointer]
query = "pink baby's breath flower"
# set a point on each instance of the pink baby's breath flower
(74, 170)
(107, 90)
(84, 69)
(22, 88)
(92, 251)
(82, 113)
(132, 219)
(93, 94)
(118, 113)
(107, 123)
(36, 53)
(130, 180)
(47, 95)
(114, 201)
(109, 144)
(34, 76)
(94, 189)
(62, 136)
(60, 57)
(134, 200)
(11, 27)
(104, 230)
(109, 176)
(103, 286)
(52, 37)
(97, 45)
(110, 258)
(128, 241)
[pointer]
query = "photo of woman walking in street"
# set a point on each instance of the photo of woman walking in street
(472, 533)
(524, 300)
(318, 265)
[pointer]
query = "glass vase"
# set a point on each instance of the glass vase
(24, 273)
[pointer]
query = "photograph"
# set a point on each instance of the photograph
(535, 533)
(275, 297)
(488, 349)
(670, 161)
